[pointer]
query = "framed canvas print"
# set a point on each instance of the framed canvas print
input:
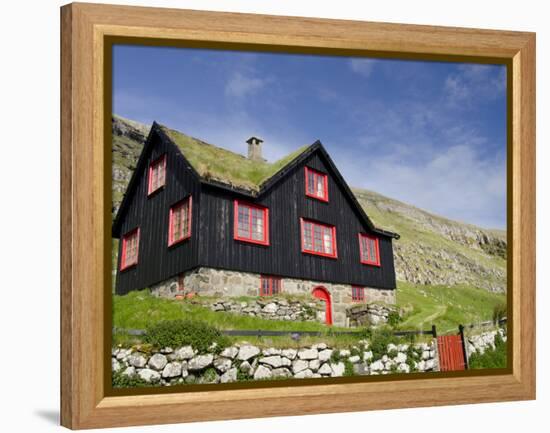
(269, 216)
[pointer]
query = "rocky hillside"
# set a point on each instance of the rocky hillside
(432, 250)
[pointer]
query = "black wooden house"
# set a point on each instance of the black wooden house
(199, 218)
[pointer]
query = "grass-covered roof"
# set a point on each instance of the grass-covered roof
(216, 164)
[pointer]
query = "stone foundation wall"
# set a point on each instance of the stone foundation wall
(481, 342)
(224, 283)
(370, 314)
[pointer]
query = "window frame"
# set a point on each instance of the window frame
(325, 183)
(377, 249)
(125, 237)
(313, 252)
(270, 278)
(358, 294)
(171, 240)
(265, 240)
(161, 159)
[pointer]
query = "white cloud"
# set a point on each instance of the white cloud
(240, 85)
(473, 83)
(362, 67)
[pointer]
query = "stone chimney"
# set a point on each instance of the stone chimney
(255, 149)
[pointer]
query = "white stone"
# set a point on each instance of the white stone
(245, 367)
(324, 355)
(430, 364)
(403, 347)
(247, 352)
(354, 359)
(270, 308)
(173, 369)
(314, 364)
(281, 372)
(285, 362)
(307, 354)
(271, 351)
(391, 347)
(299, 365)
(426, 355)
(157, 361)
(325, 369)
(222, 364)
(403, 368)
(262, 372)
(377, 366)
(289, 353)
(319, 346)
(274, 361)
(367, 355)
(229, 352)
(137, 360)
(115, 365)
(400, 358)
(229, 376)
(345, 352)
(130, 371)
(185, 352)
(149, 375)
(385, 358)
(337, 369)
(304, 374)
(200, 362)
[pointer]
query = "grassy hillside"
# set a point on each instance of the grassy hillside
(434, 253)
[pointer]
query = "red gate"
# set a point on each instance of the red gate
(451, 353)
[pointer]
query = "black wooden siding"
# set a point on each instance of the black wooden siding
(287, 202)
(157, 262)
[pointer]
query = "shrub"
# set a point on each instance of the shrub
(499, 311)
(379, 342)
(491, 358)
(348, 369)
(393, 318)
(175, 333)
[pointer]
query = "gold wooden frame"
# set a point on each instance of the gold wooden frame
(85, 27)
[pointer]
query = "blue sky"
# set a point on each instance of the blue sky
(427, 133)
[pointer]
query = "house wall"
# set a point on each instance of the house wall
(157, 261)
(225, 283)
(287, 202)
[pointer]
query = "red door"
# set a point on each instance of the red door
(323, 294)
(451, 353)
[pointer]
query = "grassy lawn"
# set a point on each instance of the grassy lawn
(445, 307)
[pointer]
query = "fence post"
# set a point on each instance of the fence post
(434, 332)
(465, 354)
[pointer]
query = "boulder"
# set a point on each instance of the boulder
(115, 365)
(314, 364)
(262, 372)
(377, 366)
(361, 369)
(200, 362)
(400, 358)
(367, 355)
(304, 374)
(270, 308)
(273, 361)
(247, 352)
(271, 351)
(130, 371)
(149, 375)
(354, 359)
(289, 353)
(281, 372)
(299, 365)
(229, 376)
(222, 364)
(157, 362)
(325, 369)
(324, 355)
(229, 352)
(337, 369)
(137, 360)
(172, 369)
(403, 368)
(308, 354)
(183, 353)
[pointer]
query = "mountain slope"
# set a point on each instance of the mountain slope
(432, 250)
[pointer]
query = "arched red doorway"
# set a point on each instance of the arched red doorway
(323, 294)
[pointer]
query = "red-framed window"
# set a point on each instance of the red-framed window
(157, 175)
(251, 223)
(319, 239)
(369, 250)
(270, 285)
(130, 249)
(358, 294)
(179, 227)
(316, 184)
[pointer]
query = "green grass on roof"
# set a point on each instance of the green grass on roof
(217, 164)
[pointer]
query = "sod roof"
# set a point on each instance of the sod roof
(213, 163)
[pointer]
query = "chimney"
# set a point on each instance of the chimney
(255, 149)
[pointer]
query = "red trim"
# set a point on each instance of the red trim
(270, 283)
(161, 159)
(334, 255)
(325, 184)
(125, 238)
(323, 294)
(179, 204)
(357, 294)
(377, 250)
(250, 206)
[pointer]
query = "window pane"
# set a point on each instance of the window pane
(308, 242)
(328, 240)
(243, 222)
(257, 224)
(310, 182)
(320, 186)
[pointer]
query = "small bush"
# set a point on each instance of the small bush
(394, 318)
(348, 371)
(491, 358)
(379, 342)
(175, 333)
(499, 312)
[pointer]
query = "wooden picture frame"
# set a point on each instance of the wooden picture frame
(87, 31)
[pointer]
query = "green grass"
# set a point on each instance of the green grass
(491, 358)
(215, 163)
(444, 306)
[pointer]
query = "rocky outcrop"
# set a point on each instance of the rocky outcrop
(370, 314)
